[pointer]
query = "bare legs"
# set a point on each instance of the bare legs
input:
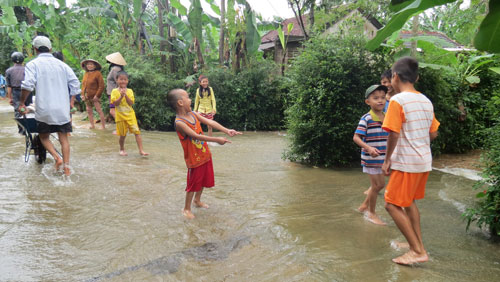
(197, 201)
(209, 130)
(112, 113)
(408, 222)
(138, 139)
(377, 183)
(64, 141)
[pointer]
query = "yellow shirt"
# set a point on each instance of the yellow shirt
(124, 111)
(204, 103)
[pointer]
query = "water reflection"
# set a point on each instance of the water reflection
(301, 223)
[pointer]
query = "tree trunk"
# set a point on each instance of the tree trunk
(298, 15)
(162, 31)
(222, 29)
(414, 31)
(311, 15)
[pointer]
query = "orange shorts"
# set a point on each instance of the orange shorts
(405, 187)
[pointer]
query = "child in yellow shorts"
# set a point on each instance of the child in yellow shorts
(412, 126)
(123, 99)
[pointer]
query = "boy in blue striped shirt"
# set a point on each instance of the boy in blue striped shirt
(370, 136)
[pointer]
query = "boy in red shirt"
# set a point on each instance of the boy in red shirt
(196, 152)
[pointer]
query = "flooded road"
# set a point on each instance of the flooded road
(119, 218)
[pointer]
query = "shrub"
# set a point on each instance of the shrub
(249, 100)
(454, 136)
(327, 83)
(487, 210)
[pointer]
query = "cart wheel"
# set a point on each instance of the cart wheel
(40, 151)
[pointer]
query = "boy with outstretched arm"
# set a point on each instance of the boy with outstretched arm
(412, 126)
(196, 152)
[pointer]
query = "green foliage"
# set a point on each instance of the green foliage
(487, 38)
(326, 96)
(398, 20)
(486, 212)
(454, 136)
(249, 100)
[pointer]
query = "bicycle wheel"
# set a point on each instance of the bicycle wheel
(40, 151)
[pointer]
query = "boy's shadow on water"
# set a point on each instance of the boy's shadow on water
(211, 251)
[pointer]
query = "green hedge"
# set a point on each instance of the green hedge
(249, 100)
(486, 211)
(327, 83)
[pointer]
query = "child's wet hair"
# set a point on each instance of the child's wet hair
(407, 69)
(173, 96)
(387, 74)
(122, 72)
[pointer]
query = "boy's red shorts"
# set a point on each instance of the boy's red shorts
(200, 177)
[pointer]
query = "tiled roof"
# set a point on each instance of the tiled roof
(445, 39)
(296, 31)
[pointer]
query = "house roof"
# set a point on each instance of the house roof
(443, 40)
(272, 35)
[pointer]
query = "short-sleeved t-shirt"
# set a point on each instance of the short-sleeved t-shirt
(370, 128)
(124, 111)
(412, 116)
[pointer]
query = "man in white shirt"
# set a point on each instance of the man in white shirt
(53, 82)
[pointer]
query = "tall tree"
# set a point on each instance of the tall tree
(222, 30)
(161, 29)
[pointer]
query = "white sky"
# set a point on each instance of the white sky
(267, 8)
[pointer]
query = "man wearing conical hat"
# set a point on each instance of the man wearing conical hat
(54, 81)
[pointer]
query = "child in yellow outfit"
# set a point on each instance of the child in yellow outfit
(123, 99)
(204, 102)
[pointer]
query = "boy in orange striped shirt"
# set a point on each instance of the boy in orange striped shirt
(411, 125)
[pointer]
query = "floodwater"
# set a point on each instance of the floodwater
(119, 218)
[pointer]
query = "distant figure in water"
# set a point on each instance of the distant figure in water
(196, 152)
(204, 103)
(92, 88)
(370, 136)
(123, 99)
(412, 126)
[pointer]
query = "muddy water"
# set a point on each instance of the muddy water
(118, 218)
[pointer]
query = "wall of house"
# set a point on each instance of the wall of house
(368, 28)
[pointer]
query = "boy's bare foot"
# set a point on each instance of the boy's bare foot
(363, 208)
(399, 245)
(411, 258)
(123, 153)
(200, 204)
(144, 153)
(187, 214)
(67, 171)
(92, 127)
(373, 218)
(58, 164)
(366, 192)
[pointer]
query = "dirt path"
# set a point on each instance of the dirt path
(469, 160)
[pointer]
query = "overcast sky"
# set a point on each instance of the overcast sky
(267, 8)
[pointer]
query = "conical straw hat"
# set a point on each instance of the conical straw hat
(116, 58)
(97, 65)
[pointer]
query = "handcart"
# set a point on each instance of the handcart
(28, 128)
